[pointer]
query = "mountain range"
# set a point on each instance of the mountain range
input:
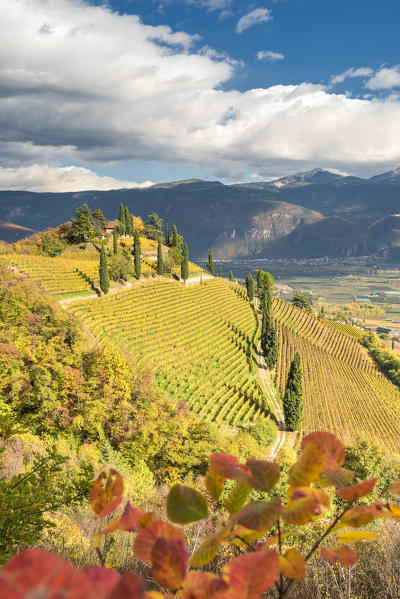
(311, 214)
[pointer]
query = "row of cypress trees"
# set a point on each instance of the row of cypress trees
(293, 397)
(126, 225)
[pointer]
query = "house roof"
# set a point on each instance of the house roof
(111, 224)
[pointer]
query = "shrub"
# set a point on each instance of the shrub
(265, 554)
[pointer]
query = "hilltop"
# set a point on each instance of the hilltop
(311, 214)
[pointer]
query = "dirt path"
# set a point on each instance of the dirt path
(80, 298)
(281, 436)
(196, 278)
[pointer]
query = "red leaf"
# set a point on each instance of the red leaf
(260, 515)
(146, 538)
(169, 559)
(253, 573)
(330, 445)
(106, 493)
(130, 519)
(130, 586)
(343, 554)
(356, 491)
(35, 573)
(263, 474)
(227, 466)
(103, 580)
(358, 516)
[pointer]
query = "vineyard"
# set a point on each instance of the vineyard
(76, 270)
(198, 341)
(345, 393)
(62, 275)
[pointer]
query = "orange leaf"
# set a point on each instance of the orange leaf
(358, 516)
(344, 555)
(148, 518)
(146, 538)
(130, 519)
(130, 586)
(330, 445)
(356, 491)
(169, 560)
(395, 488)
(292, 564)
(37, 573)
(106, 493)
(263, 474)
(214, 483)
(304, 504)
(227, 466)
(253, 573)
(308, 467)
(201, 585)
(260, 515)
(395, 511)
(241, 536)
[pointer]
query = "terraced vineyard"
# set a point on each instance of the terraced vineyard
(345, 393)
(348, 329)
(198, 341)
(60, 275)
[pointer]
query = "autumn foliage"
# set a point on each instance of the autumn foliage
(257, 532)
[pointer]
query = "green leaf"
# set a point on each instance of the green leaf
(260, 515)
(185, 505)
(237, 497)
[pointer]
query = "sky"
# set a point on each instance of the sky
(124, 93)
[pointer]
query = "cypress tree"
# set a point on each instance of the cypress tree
(231, 276)
(185, 263)
(103, 271)
(293, 398)
(115, 241)
(175, 241)
(160, 260)
(269, 340)
(122, 219)
(167, 238)
(132, 224)
(250, 287)
(137, 255)
(128, 229)
(219, 272)
(210, 262)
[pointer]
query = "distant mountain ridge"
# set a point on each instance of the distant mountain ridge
(311, 214)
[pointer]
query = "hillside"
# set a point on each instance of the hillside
(345, 393)
(311, 214)
(199, 342)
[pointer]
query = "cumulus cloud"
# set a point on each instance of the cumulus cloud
(269, 55)
(386, 78)
(101, 88)
(360, 72)
(254, 17)
(39, 177)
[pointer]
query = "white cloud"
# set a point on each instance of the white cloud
(103, 88)
(256, 16)
(39, 177)
(386, 78)
(269, 55)
(360, 72)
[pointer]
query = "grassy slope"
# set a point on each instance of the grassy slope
(344, 391)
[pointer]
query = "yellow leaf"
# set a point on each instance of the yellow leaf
(308, 467)
(352, 536)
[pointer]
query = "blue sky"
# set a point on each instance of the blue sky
(108, 94)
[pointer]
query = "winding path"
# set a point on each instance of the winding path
(281, 436)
